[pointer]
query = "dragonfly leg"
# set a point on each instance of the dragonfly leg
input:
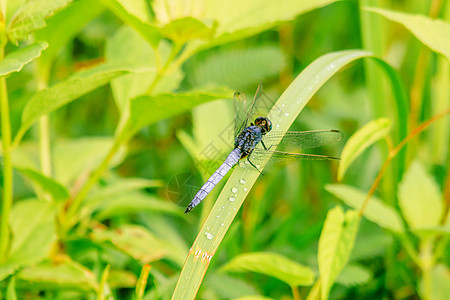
(248, 159)
(264, 146)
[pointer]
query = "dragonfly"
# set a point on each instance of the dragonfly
(280, 146)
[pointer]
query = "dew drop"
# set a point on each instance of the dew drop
(207, 227)
(221, 224)
(209, 235)
(278, 126)
(286, 114)
(232, 199)
(282, 105)
(217, 216)
(258, 166)
(234, 209)
(242, 181)
(234, 190)
(245, 189)
(246, 162)
(310, 88)
(279, 120)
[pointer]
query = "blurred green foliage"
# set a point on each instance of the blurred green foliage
(107, 106)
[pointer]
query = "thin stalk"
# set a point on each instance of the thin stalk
(44, 146)
(295, 293)
(426, 256)
(394, 152)
(7, 165)
(95, 176)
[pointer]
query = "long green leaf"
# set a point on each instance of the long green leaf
(360, 141)
(48, 100)
(15, 61)
(274, 265)
(335, 245)
(376, 211)
(283, 114)
(433, 33)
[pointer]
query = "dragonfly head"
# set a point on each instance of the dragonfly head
(264, 123)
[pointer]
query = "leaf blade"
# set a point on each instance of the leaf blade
(335, 245)
(272, 264)
(14, 62)
(360, 141)
(433, 33)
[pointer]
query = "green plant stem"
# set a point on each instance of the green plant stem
(426, 258)
(95, 176)
(295, 293)
(7, 166)
(161, 72)
(44, 146)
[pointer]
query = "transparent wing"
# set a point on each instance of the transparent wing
(240, 112)
(293, 143)
(244, 114)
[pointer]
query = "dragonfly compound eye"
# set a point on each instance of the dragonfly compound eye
(264, 123)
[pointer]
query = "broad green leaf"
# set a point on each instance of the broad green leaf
(33, 229)
(48, 100)
(138, 8)
(221, 283)
(133, 240)
(122, 186)
(360, 141)
(235, 15)
(440, 283)
(146, 110)
(30, 17)
(185, 29)
(11, 289)
(433, 33)
(239, 19)
(335, 245)
(58, 191)
(353, 275)
(271, 264)
(419, 198)
(15, 61)
(132, 203)
(73, 158)
(376, 211)
(63, 26)
(126, 44)
(58, 275)
(235, 67)
(148, 32)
